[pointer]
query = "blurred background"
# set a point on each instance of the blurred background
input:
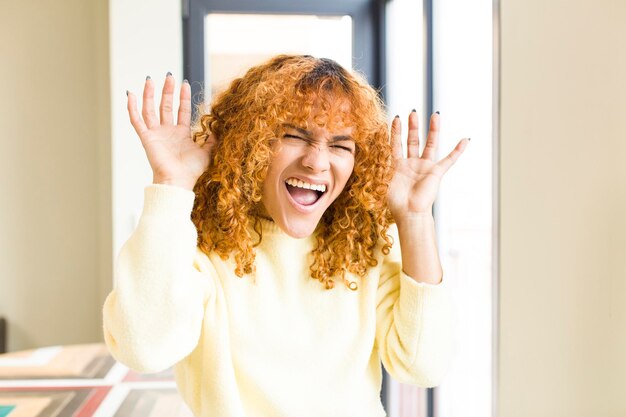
(531, 220)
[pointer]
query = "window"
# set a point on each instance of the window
(229, 54)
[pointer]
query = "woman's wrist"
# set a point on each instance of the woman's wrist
(409, 220)
(182, 183)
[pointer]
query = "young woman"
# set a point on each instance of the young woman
(286, 248)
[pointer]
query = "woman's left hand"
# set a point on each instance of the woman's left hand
(416, 179)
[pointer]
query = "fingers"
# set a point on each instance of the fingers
(167, 98)
(133, 113)
(432, 141)
(147, 108)
(449, 160)
(413, 141)
(396, 140)
(184, 111)
(148, 118)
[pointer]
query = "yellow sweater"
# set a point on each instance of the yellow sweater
(282, 346)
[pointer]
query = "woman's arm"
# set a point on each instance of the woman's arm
(153, 317)
(416, 316)
(416, 323)
(411, 196)
(420, 258)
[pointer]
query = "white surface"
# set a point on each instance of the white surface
(39, 357)
(145, 39)
(463, 59)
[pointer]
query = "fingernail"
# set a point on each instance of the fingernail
(148, 77)
(185, 81)
(396, 116)
(469, 138)
(126, 93)
(413, 111)
(437, 112)
(169, 74)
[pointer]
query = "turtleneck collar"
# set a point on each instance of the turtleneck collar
(271, 228)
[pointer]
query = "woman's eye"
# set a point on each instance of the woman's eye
(293, 137)
(343, 148)
(338, 147)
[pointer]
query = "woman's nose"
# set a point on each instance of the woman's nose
(316, 158)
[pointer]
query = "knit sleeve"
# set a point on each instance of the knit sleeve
(153, 317)
(415, 323)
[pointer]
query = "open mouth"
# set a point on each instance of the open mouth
(303, 193)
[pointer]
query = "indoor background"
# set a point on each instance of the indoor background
(543, 310)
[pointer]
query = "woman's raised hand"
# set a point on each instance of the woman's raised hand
(416, 180)
(174, 157)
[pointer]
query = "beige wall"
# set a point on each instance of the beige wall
(55, 222)
(563, 209)
(72, 170)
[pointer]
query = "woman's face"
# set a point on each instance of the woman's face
(309, 170)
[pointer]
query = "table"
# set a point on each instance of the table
(83, 381)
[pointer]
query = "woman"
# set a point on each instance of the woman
(291, 181)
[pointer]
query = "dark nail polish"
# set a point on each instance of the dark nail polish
(169, 74)
(469, 138)
(126, 93)
(396, 116)
(148, 77)
(437, 112)
(186, 81)
(413, 111)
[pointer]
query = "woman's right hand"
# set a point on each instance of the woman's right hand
(174, 157)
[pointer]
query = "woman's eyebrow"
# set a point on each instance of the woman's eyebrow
(299, 129)
(341, 138)
(305, 132)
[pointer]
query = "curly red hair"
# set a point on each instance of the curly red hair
(243, 121)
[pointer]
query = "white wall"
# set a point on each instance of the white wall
(563, 209)
(466, 223)
(146, 39)
(55, 218)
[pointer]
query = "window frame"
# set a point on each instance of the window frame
(368, 17)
